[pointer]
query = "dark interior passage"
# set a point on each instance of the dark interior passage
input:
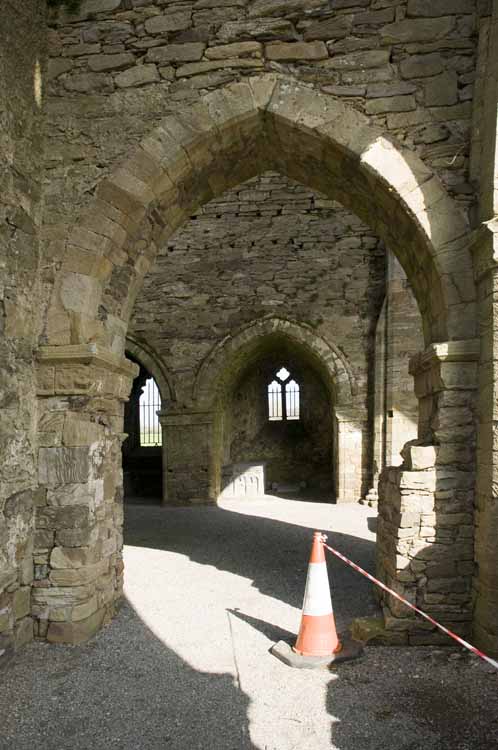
(142, 449)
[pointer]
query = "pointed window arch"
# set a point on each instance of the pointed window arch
(150, 404)
(284, 397)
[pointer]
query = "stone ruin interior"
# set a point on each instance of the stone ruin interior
(248, 247)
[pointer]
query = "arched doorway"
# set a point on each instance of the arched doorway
(228, 137)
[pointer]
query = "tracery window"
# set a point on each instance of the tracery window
(283, 397)
(149, 404)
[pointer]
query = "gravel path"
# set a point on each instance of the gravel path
(186, 665)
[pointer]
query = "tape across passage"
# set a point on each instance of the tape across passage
(317, 600)
(370, 577)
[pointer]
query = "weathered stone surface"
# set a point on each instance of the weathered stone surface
(58, 466)
(420, 66)
(100, 63)
(419, 457)
(356, 60)
(442, 90)
(417, 30)
(23, 632)
(264, 30)
(176, 53)
(192, 69)
(262, 8)
(169, 22)
(336, 27)
(377, 90)
(296, 51)
(390, 104)
(441, 8)
(234, 50)
(137, 76)
(75, 632)
(21, 602)
(73, 557)
(57, 66)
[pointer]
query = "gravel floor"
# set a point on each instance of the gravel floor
(186, 662)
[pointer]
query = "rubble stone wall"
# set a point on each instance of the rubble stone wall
(22, 50)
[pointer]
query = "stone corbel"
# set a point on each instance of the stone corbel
(84, 369)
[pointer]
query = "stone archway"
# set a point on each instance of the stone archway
(216, 375)
(227, 137)
(144, 353)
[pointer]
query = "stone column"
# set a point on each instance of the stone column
(79, 515)
(424, 537)
(398, 337)
(486, 513)
(351, 452)
(190, 448)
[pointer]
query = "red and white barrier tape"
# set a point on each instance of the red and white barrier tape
(455, 637)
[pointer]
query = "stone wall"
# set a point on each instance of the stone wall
(398, 337)
(116, 70)
(268, 246)
(294, 452)
(120, 65)
(22, 51)
(484, 170)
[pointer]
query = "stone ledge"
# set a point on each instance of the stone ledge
(87, 354)
(466, 350)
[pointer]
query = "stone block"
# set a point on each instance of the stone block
(137, 76)
(21, 602)
(417, 30)
(262, 29)
(85, 536)
(78, 576)
(59, 466)
(373, 631)
(74, 557)
(57, 66)
(176, 21)
(84, 610)
(336, 27)
(236, 49)
(396, 88)
(358, 60)
(23, 632)
(6, 620)
(80, 431)
(192, 69)
(418, 480)
(390, 104)
(430, 9)
(294, 51)
(101, 63)
(419, 457)
(176, 53)
(442, 90)
(76, 632)
(421, 66)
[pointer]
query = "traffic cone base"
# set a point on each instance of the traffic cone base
(317, 636)
(317, 643)
(349, 649)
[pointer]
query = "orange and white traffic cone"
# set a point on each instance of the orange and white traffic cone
(317, 644)
(317, 634)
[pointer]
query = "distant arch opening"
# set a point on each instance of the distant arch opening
(273, 440)
(142, 448)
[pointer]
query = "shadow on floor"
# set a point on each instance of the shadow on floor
(273, 554)
(125, 690)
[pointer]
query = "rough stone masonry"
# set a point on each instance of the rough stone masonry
(336, 135)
